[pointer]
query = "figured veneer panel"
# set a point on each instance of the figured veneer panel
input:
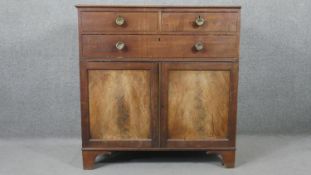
(198, 104)
(185, 22)
(119, 104)
(105, 22)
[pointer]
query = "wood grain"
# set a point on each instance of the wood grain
(214, 22)
(112, 7)
(119, 104)
(105, 21)
(198, 103)
(104, 46)
(159, 46)
(183, 46)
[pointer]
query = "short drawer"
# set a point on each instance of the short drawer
(159, 46)
(199, 22)
(119, 21)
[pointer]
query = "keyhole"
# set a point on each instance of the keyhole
(159, 39)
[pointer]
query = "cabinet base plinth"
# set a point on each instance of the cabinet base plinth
(89, 157)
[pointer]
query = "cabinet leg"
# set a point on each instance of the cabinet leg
(89, 158)
(228, 158)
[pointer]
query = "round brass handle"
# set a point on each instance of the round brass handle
(120, 45)
(199, 46)
(120, 20)
(199, 21)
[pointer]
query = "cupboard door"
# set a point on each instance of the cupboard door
(119, 104)
(198, 104)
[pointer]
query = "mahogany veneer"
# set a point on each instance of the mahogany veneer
(157, 46)
(158, 78)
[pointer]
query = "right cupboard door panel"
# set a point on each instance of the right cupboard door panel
(198, 104)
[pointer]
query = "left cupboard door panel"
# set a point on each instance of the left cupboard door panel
(119, 104)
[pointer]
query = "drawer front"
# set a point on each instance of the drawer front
(126, 21)
(199, 22)
(105, 46)
(160, 46)
(184, 46)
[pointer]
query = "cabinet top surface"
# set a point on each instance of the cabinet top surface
(152, 6)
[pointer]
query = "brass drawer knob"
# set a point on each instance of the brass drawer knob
(199, 46)
(120, 20)
(199, 21)
(120, 45)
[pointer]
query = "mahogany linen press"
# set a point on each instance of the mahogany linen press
(158, 78)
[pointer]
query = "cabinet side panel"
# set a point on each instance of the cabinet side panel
(119, 102)
(198, 104)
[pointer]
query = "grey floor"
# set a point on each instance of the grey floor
(284, 155)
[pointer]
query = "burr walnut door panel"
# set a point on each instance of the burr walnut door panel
(122, 104)
(198, 104)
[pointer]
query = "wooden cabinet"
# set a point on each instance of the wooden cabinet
(158, 79)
